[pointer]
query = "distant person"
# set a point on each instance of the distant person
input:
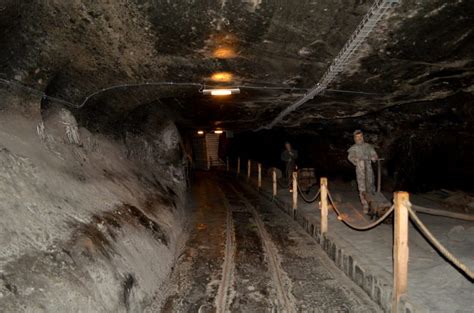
(361, 154)
(289, 156)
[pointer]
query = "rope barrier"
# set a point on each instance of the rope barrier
(400, 246)
(403, 212)
(304, 197)
(469, 273)
(369, 226)
(448, 255)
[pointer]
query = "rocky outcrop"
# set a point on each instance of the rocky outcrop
(90, 223)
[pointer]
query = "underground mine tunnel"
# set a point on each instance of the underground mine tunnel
(237, 156)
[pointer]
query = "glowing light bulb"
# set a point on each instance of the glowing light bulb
(224, 53)
(221, 91)
(222, 77)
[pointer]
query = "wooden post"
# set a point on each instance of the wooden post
(324, 205)
(274, 180)
(379, 176)
(259, 179)
(227, 166)
(400, 248)
(249, 168)
(295, 192)
(238, 166)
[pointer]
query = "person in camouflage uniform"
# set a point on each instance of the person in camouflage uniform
(361, 154)
(289, 156)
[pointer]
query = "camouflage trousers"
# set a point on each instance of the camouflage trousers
(290, 167)
(365, 181)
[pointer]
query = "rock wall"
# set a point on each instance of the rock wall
(90, 223)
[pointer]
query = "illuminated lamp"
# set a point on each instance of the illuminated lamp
(222, 77)
(221, 91)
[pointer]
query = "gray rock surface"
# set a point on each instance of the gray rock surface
(88, 225)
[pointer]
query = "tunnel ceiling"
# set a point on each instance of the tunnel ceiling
(422, 53)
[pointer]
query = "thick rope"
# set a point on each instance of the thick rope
(448, 255)
(366, 227)
(461, 266)
(304, 197)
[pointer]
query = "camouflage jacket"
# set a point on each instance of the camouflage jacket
(360, 152)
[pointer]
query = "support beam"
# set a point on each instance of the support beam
(379, 176)
(259, 179)
(249, 169)
(324, 205)
(295, 192)
(400, 248)
(238, 166)
(274, 182)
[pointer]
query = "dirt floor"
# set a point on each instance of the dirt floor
(244, 255)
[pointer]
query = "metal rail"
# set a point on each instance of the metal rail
(378, 10)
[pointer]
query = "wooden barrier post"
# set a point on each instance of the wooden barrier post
(227, 166)
(400, 248)
(324, 205)
(379, 174)
(249, 168)
(295, 192)
(259, 179)
(274, 181)
(238, 166)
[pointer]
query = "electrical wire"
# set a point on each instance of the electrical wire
(190, 84)
(36, 91)
(167, 83)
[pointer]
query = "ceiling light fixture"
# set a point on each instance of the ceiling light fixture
(221, 91)
(222, 77)
(218, 131)
(200, 132)
(224, 53)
